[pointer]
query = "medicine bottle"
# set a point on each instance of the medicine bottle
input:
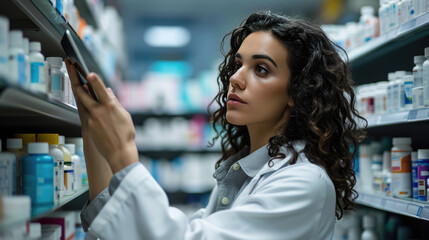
(56, 77)
(414, 159)
(383, 16)
(418, 82)
(16, 58)
(8, 173)
(403, 13)
(401, 167)
(38, 177)
(26, 47)
(393, 14)
(426, 78)
(26, 139)
(4, 47)
(14, 146)
(57, 154)
(406, 92)
(369, 22)
(37, 65)
(76, 165)
(369, 228)
(389, 100)
(78, 142)
(422, 173)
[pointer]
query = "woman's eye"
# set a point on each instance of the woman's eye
(261, 69)
(237, 66)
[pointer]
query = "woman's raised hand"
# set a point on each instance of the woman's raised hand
(106, 122)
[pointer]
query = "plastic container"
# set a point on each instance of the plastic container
(425, 67)
(16, 58)
(401, 167)
(369, 22)
(38, 177)
(408, 83)
(377, 174)
(7, 173)
(16, 210)
(56, 78)
(76, 165)
(389, 100)
(57, 154)
(26, 47)
(14, 146)
(69, 180)
(414, 159)
(414, 8)
(383, 16)
(403, 12)
(78, 142)
(422, 173)
(393, 16)
(365, 163)
(398, 91)
(4, 47)
(368, 224)
(35, 231)
(418, 82)
(37, 61)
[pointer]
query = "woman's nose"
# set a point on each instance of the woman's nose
(238, 79)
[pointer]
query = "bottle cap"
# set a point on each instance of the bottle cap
(35, 231)
(38, 148)
(61, 140)
(26, 45)
(26, 137)
(400, 74)
(401, 141)
(14, 143)
(35, 47)
(15, 39)
(367, 10)
(391, 76)
(70, 147)
(51, 138)
(419, 59)
(408, 78)
(423, 153)
(78, 141)
(55, 61)
(427, 52)
(368, 221)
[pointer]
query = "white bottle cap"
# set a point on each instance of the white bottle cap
(408, 78)
(14, 143)
(419, 59)
(400, 74)
(414, 156)
(77, 141)
(54, 61)
(61, 139)
(427, 52)
(367, 10)
(391, 76)
(26, 46)
(15, 39)
(423, 153)
(38, 148)
(35, 47)
(16, 207)
(368, 221)
(71, 147)
(401, 141)
(35, 231)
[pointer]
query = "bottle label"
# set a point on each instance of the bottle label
(56, 86)
(37, 72)
(422, 176)
(401, 173)
(408, 95)
(22, 80)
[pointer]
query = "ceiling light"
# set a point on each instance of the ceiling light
(167, 36)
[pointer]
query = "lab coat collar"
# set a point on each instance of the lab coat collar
(253, 163)
(222, 170)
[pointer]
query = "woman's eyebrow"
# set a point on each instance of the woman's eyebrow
(258, 56)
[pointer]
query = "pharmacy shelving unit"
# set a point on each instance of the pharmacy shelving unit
(22, 110)
(371, 63)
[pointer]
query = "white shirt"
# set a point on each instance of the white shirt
(280, 202)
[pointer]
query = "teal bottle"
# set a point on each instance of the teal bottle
(38, 178)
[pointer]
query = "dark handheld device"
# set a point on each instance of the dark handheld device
(75, 58)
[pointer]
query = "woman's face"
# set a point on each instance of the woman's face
(257, 94)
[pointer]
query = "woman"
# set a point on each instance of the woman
(288, 118)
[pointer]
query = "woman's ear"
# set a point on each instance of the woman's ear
(290, 102)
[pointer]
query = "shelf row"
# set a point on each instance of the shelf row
(407, 29)
(400, 117)
(406, 207)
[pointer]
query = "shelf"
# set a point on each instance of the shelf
(407, 29)
(41, 22)
(16, 102)
(401, 117)
(87, 13)
(406, 207)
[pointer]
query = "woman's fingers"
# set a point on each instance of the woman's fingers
(98, 87)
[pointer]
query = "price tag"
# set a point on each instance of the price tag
(413, 209)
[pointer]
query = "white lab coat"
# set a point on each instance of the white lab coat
(281, 202)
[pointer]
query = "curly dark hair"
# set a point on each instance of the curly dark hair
(323, 114)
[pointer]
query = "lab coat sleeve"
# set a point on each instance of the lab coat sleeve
(91, 209)
(297, 203)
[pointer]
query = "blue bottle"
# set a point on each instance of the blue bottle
(38, 178)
